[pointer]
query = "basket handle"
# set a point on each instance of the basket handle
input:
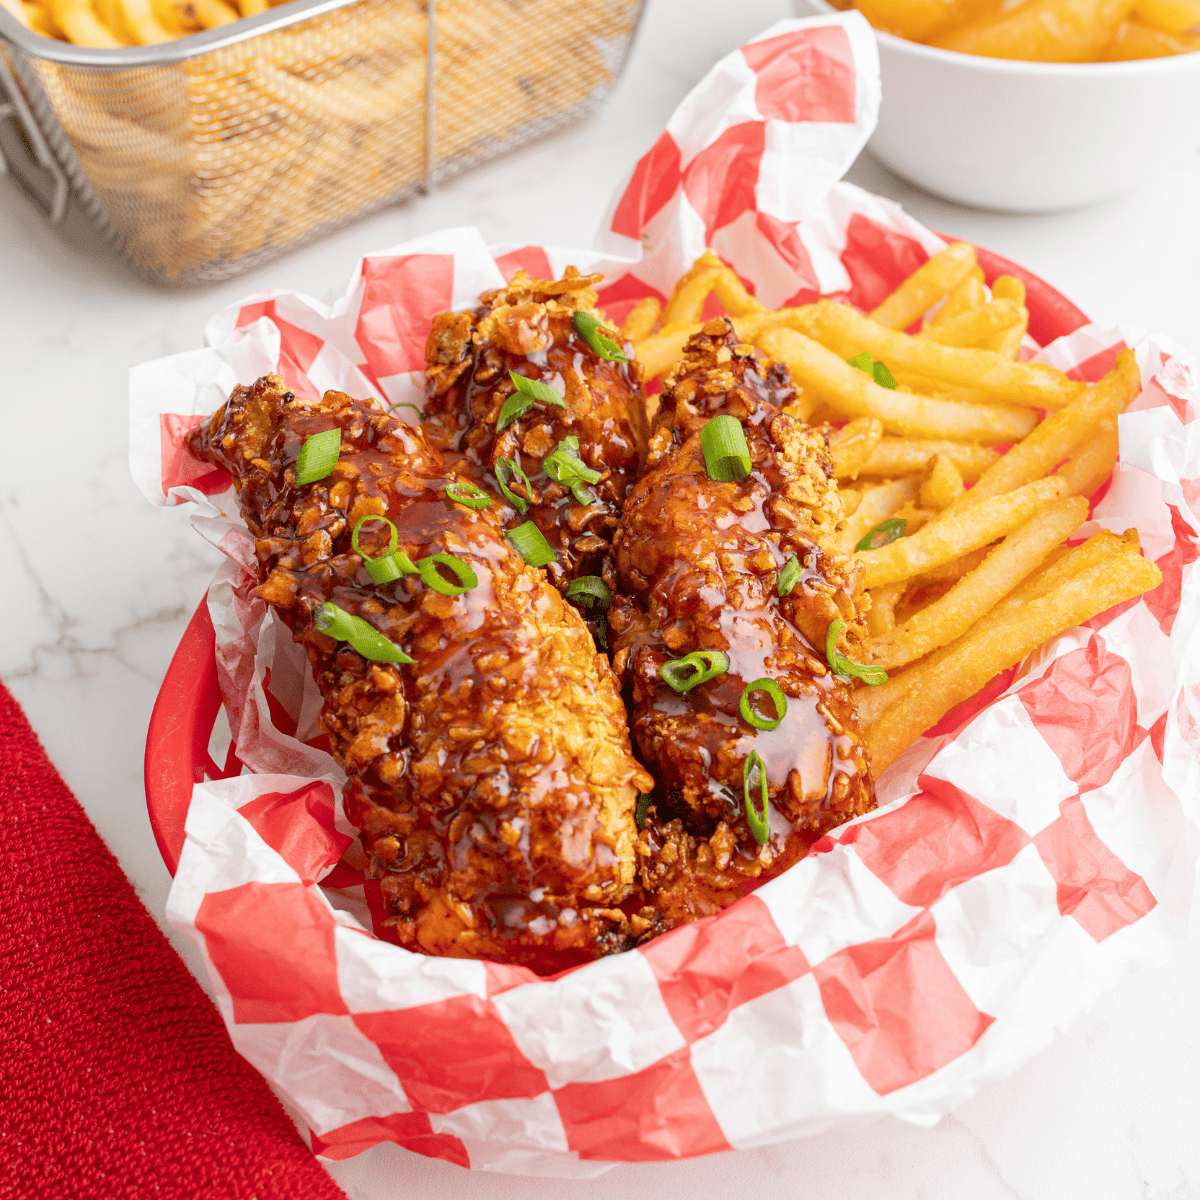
(14, 107)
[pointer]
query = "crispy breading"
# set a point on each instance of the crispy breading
(696, 567)
(492, 779)
(527, 327)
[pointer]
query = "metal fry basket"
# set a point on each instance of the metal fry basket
(204, 157)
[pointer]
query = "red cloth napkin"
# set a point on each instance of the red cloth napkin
(117, 1078)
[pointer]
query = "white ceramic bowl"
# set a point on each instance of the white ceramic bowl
(1023, 136)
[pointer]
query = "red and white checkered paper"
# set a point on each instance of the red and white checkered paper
(1038, 843)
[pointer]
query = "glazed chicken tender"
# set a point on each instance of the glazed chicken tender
(528, 328)
(697, 568)
(492, 777)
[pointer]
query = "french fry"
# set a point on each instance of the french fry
(81, 25)
(142, 22)
(1009, 287)
(1007, 343)
(638, 325)
(876, 505)
(1042, 31)
(948, 618)
(213, 13)
(926, 286)
(1169, 16)
(977, 326)
(1134, 40)
(1092, 465)
(943, 486)
(251, 8)
(1057, 437)
(931, 689)
(852, 446)
(849, 333)
(952, 571)
(853, 393)
(967, 295)
(881, 616)
(906, 456)
(951, 537)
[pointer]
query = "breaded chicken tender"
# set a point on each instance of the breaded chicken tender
(527, 328)
(696, 568)
(492, 778)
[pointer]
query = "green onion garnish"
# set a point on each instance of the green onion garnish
(643, 807)
(597, 336)
(318, 456)
(778, 700)
(405, 404)
(788, 576)
(589, 591)
(564, 465)
(683, 674)
(389, 565)
(883, 533)
(756, 820)
(600, 633)
(528, 393)
(504, 469)
(841, 665)
(880, 373)
(427, 568)
(469, 495)
(531, 545)
(366, 639)
(726, 455)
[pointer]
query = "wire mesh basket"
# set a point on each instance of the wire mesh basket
(204, 157)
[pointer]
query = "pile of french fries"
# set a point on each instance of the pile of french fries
(980, 576)
(112, 23)
(1042, 30)
(264, 143)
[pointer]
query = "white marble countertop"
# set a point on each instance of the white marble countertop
(97, 587)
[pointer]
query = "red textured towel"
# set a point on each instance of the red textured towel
(117, 1078)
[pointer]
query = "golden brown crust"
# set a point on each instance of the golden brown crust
(697, 564)
(492, 779)
(526, 327)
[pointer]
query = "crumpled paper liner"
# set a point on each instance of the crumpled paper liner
(1037, 844)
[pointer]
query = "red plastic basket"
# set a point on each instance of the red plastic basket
(185, 714)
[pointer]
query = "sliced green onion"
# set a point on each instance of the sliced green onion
(600, 633)
(726, 455)
(683, 674)
(596, 335)
(531, 545)
(564, 465)
(841, 665)
(468, 494)
(393, 536)
(432, 578)
(755, 819)
(884, 377)
(778, 700)
(318, 456)
(883, 533)
(788, 576)
(589, 591)
(405, 404)
(528, 393)
(366, 639)
(389, 565)
(504, 469)
(643, 807)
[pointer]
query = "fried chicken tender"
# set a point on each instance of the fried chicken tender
(492, 779)
(696, 567)
(526, 327)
